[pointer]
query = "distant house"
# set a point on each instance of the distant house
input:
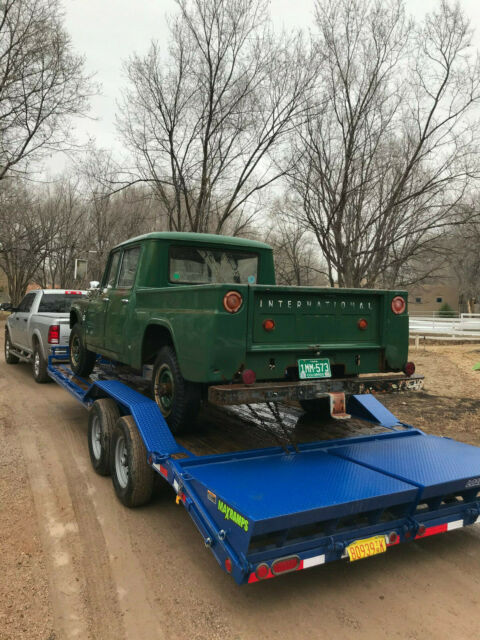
(428, 298)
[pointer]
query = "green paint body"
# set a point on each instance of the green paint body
(212, 345)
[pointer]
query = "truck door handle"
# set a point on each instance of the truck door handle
(25, 319)
(105, 299)
(124, 300)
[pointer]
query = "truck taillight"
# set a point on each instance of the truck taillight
(398, 305)
(73, 293)
(54, 334)
(232, 301)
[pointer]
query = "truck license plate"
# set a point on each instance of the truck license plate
(317, 368)
(365, 548)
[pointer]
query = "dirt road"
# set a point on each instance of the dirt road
(76, 564)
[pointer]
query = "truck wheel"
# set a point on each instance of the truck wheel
(101, 421)
(9, 357)
(178, 399)
(319, 407)
(131, 475)
(39, 365)
(82, 360)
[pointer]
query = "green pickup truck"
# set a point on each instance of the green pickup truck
(205, 311)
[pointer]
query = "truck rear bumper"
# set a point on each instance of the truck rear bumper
(230, 394)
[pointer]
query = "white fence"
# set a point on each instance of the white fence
(465, 324)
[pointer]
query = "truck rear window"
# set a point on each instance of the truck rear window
(56, 302)
(205, 266)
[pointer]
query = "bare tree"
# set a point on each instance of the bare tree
(42, 83)
(388, 153)
(63, 210)
(24, 236)
(203, 119)
(296, 255)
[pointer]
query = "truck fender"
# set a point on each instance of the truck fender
(36, 336)
(74, 317)
(156, 335)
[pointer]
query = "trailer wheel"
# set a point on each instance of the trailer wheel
(82, 360)
(177, 398)
(318, 406)
(9, 357)
(39, 365)
(131, 475)
(101, 421)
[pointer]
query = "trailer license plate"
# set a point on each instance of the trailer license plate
(317, 368)
(366, 548)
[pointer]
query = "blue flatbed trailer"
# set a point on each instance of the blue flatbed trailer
(270, 511)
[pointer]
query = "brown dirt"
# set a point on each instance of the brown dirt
(76, 564)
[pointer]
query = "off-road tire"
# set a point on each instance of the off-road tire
(39, 365)
(185, 396)
(127, 452)
(318, 407)
(102, 418)
(82, 360)
(9, 357)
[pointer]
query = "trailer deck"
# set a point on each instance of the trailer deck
(268, 511)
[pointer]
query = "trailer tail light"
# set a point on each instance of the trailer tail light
(228, 565)
(232, 301)
(249, 376)
(409, 369)
(263, 571)
(54, 334)
(393, 537)
(268, 325)
(284, 565)
(398, 305)
(362, 324)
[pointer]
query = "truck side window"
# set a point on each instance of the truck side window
(112, 271)
(26, 304)
(128, 268)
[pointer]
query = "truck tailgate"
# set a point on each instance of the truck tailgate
(307, 316)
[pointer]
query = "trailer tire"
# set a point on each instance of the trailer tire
(82, 360)
(132, 477)
(9, 357)
(102, 418)
(39, 365)
(317, 407)
(177, 398)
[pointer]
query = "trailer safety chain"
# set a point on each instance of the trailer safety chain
(273, 406)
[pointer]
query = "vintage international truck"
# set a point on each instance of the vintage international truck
(205, 311)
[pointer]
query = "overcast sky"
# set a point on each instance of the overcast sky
(106, 32)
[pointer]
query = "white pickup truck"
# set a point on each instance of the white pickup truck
(40, 321)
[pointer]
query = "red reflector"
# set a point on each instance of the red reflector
(263, 571)
(54, 334)
(73, 293)
(398, 305)
(421, 530)
(362, 324)
(163, 471)
(249, 376)
(268, 325)
(393, 537)
(285, 564)
(409, 369)
(232, 301)
(228, 565)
